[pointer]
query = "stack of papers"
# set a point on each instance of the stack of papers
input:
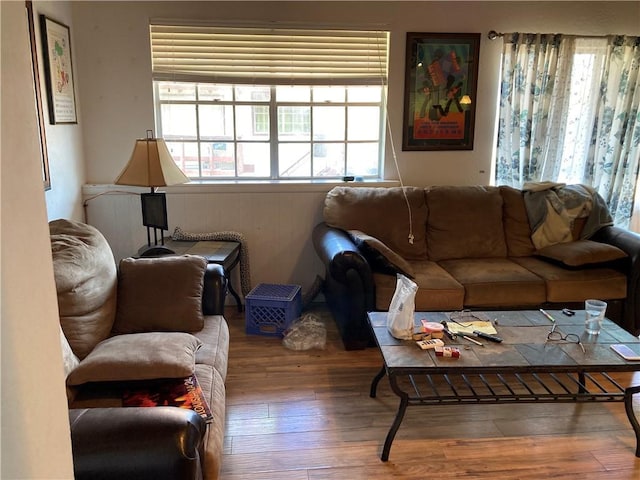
(467, 328)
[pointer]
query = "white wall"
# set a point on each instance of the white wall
(35, 430)
(64, 141)
(114, 67)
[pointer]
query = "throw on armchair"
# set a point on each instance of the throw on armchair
(147, 319)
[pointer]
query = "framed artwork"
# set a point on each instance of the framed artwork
(56, 45)
(46, 179)
(441, 77)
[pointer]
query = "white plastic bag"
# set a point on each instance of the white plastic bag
(400, 317)
(306, 333)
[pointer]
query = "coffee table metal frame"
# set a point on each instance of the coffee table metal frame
(523, 368)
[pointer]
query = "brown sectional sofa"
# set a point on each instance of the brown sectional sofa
(150, 318)
(470, 248)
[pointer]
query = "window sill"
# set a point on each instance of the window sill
(267, 186)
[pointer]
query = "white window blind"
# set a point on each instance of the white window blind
(268, 55)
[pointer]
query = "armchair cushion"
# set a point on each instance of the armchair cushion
(160, 294)
(138, 356)
(581, 252)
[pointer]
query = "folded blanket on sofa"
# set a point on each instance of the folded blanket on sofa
(553, 207)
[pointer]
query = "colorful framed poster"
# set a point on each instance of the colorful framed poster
(56, 45)
(440, 91)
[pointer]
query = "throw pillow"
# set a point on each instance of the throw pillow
(380, 256)
(581, 252)
(160, 294)
(138, 356)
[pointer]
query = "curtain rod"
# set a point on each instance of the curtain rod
(492, 35)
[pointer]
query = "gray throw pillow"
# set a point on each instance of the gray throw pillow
(160, 294)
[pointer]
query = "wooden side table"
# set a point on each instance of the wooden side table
(225, 253)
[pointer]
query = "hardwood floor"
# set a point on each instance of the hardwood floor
(308, 416)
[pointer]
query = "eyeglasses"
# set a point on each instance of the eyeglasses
(569, 337)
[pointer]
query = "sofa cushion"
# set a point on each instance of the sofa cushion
(138, 356)
(496, 282)
(215, 344)
(160, 294)
(383, 214)
(85, 276)
(517, 231)
(381, 257)
(437, 290)
(465, 222)
(581, 252)
(571, 285)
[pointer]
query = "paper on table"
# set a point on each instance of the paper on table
(469, 327)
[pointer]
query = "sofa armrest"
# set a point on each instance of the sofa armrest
(348, 287)
(629, 242)
(214, 293)
(340, 254)
(136, 443)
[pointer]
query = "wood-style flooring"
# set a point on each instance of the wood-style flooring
(308, 416)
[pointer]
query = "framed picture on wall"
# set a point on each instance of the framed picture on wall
(56, 45)
(46, 178)
(441, 75)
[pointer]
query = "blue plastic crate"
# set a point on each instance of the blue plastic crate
(270, 309)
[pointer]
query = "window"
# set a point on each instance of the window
(300, 105)
(587, 65)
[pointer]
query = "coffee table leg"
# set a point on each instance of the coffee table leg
(628, 406)
(402, 407)
(375, 381)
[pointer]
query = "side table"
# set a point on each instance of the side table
(225, 253)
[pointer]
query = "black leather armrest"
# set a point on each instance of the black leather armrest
(629, 242)
(154, 443)
(215, 290)
(339, 254)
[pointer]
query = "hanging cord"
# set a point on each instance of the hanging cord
(385, 105)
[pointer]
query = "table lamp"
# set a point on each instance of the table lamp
(151, 165)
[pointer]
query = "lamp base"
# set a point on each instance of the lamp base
(154, 251)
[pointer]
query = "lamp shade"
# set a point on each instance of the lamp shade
(151, 165)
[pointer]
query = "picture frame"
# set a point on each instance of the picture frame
(441, 76)
(58, 67)
(46, 178)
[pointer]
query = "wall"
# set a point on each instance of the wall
(114, 67)
(64, 141)
(35, 430)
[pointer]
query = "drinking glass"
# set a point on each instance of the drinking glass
(595, 310)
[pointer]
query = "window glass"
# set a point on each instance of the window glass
(363, 123)
(294, 123)
(253, 160)
(328, 160)
(329, 94)
(269, 132)
(292, 93)
(216, 122)
(179, 121)
(295, 159)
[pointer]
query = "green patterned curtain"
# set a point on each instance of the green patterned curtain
(589, 134)
(536, 74)
(614, 156)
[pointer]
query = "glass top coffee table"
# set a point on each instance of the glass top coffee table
(524, 367)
